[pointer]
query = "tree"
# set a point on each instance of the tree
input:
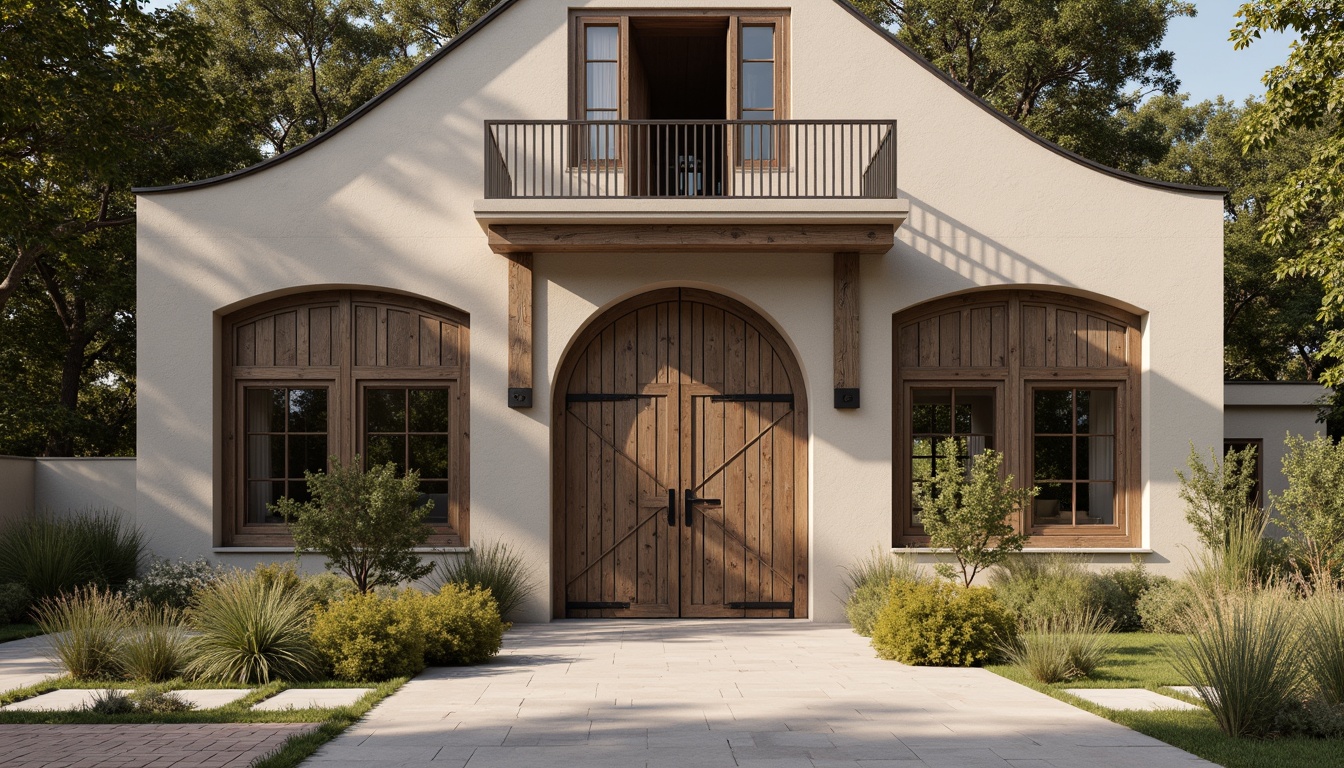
(1306, 93)
(366, 524)
(1064, 69)
(1218, 495)
(966, 511)
(1312, 509)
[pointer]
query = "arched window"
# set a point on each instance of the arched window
(343, 373)
(1049, 380)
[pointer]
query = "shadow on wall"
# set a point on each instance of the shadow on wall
(64, 486)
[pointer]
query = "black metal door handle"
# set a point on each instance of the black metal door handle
(692, 500)
(671, 507)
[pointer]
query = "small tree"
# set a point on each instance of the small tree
(1218, 495)
(366, 524)
(967, 511)
(1312, 509)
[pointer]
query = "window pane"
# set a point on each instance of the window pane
(1096, 411)
(600, 139)
(265, 456)
(429, 455)
(384, 448)
(385, 410)
(307, 453)
(1096, 458)
(429, 410)
(1054, 458)
(758, 141)
(298, 491)
(933, 411)
(758, 42)
(437, 492)
(1053, 505)
(758, 85)
(1096, 503)
(1054, 411)
(265, 410)
(258, 496)
(602, 42)
(308, 410)
(601, 86)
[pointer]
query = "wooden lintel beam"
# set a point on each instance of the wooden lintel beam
(686, 238)
(520, 330)
(846, 339)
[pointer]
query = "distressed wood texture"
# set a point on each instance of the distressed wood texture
(690, 238)
(846, 343)
(520, 320)
(640, 414)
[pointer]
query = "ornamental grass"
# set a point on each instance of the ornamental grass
(251, 630)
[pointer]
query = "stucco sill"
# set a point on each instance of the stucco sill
(290, 550)
(1042, 550)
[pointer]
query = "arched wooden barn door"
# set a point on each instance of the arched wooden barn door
(681, 464)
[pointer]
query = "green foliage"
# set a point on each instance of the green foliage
(321, 589)
(941, 624)
(1062, 648)
(52, 556)
(869, 580)
(1242, 654)
(155, 699)
(15, 602)
(1245, 561)
(366, 524)
(1305, 93)
(370, 637)
(1218, 495)
(1073, 71)
(251, 630)
(968, 512)
(155, 646)
(1311, 510)
(1047, 589)
(1131, 584)
(1323, 640)
(461, 625)
(85, 629)
(110, 701)
(172, 584)
(497, 567)
(1164, 606)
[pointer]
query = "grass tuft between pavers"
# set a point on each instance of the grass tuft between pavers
(1138, 661)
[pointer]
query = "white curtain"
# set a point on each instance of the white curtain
(1101, 455)
(258, 418)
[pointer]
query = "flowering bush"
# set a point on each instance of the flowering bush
(172, 584)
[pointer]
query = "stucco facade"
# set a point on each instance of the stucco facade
(388, 202)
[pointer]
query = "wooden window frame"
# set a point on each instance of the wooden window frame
(1017, 382)
(345, 382)
(780, 22)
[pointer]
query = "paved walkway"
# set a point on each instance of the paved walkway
(222, 745)
(25, 662)
(705, 694)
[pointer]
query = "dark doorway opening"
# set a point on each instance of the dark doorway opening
(678, 71)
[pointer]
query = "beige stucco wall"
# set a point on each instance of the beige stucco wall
(387, 202)
(16, 488)
(59, 486)
(1270, 411)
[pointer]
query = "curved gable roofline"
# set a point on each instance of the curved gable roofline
(499, 10)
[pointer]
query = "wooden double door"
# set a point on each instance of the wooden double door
(681, 465)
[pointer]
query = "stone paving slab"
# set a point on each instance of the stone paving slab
(1188, 690)
(305, 698)
(213, 698)
(222, 745)
(1129, 698)
(26, 662)
(64, 699)
(704, 694)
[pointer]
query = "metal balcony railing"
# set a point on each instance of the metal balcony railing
(690, 158)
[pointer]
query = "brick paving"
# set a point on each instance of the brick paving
(221, 745)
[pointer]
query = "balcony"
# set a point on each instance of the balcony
(691, 185)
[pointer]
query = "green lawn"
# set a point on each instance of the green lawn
(333, 721)
(1137, 662)
(17, 631)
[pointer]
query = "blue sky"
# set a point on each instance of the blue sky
(1205, 61)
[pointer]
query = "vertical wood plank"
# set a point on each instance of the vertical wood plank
(450, 345)
(949, 340)
(366, 335)
(783, 529)
(319, 335)
(430, 343)
(266, 341)
(520, 320)
(1115, 346)
(627, 510)
(752, 426)
(593, 416)
(576, 491)
(286, 333)
(928, 343)
(1033, 336)
(609, 487)
(403, 343)
(999, 334)
(1066, 339)
(1096, 342)
(846, 332)
(734, 498)
(909, 345)
(982, 337)
(245, 345)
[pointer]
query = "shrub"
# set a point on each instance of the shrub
(1244, 562)
(84, 629)
(1130, 584)
(1323, 636)
(114, 548)
(366, 524)
(1164, 606)
(57, 556)
(368, 637)
(967, 512)
(1242, 653)
(869, 580)
(15, 602)
(251, 631)
(157, 700)
(1054, 587)
(1217, 494)
(497, 567)
(322, 589)
(110, 702)
(1065, 648)
(1312, 509)
(941, 624)
(172, 584)
(156, 647)
(461, 625)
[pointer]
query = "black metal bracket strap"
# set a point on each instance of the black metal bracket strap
(671, 507)
(595, 606)
(692, 500)
(753, 398)
(602, 397)
(763, 606)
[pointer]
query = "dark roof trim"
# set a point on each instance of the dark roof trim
(498, 10)
(343, 122)
(1006, 120)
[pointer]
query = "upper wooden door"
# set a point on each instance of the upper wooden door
(681, 465)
